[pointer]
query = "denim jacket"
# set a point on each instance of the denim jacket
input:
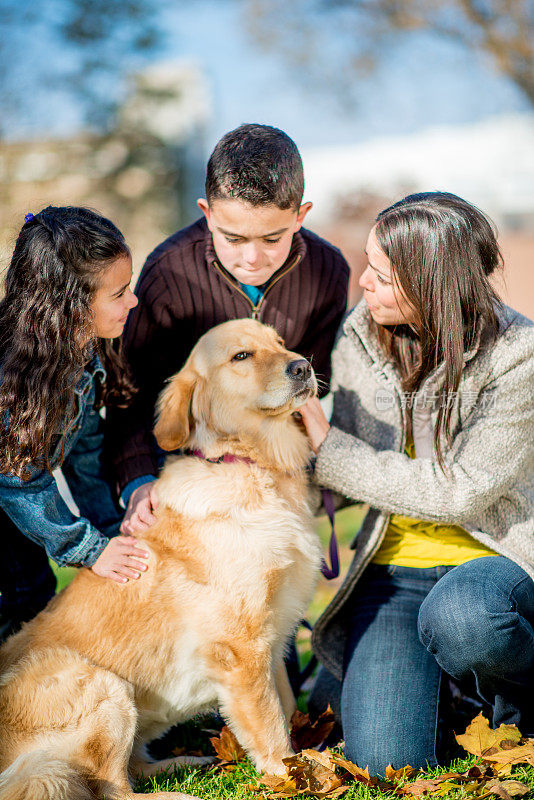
(36, 506)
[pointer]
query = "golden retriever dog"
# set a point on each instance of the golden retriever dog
(106, 668)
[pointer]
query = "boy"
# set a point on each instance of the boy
(246, 257)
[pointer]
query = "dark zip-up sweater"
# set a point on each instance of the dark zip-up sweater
(184, 291)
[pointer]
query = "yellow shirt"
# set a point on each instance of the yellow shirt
(412, 542)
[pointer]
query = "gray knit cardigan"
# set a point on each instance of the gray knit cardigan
(488, 486)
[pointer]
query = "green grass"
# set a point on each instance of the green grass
(208, 783)
(64, 575)
(213, 783)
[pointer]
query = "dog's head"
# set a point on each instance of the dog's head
(238, 375)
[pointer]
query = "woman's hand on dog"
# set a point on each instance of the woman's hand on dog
(315, 422)
(120, 559)
(140, 510)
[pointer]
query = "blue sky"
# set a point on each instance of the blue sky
(424, 82)
(421, 83)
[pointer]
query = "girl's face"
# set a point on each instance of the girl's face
(113, 299)
(387, 305)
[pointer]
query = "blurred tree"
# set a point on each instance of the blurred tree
(75, 48)
(500, 29)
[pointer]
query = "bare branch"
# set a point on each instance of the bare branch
(500, 29)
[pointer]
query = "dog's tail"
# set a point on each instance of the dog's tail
(41, 776)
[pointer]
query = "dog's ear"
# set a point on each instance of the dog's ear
(174, 410)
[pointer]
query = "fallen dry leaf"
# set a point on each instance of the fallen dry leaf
(421, 787)
(228, 749)
(449, 786)
(314, 773)
(457, 776)
(502, 770)
(359, 774)
(324, 758)
(279, 786)
(479, 739)
(506, 789)
(522, 754)
(308, 773)
(306, 734)
(514, 788)
(312, 776)
(322, 782)
(399, 774)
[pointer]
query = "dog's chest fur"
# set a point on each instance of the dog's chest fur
(247, 560)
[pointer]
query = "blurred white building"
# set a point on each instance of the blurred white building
(489, 163)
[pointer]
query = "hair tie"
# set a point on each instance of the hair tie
(28, 217)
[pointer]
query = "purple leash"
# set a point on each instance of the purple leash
(333, 571)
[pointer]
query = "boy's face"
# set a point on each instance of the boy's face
(252, 242)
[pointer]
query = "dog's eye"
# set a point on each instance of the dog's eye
(242, 355)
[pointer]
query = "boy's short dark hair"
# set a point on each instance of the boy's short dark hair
(258, 164)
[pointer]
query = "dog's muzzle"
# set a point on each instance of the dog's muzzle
(301, 373)
(299, 370)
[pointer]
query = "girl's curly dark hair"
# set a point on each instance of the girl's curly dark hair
(46, 335)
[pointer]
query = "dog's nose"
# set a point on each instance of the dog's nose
(299, 369)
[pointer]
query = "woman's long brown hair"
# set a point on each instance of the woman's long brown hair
(45, 331)
(442, 252)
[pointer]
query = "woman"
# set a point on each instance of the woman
(67, 298)
(433, 427)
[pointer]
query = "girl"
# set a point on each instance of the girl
(67, 298)
(433, 427)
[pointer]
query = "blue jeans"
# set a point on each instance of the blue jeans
(406, 626)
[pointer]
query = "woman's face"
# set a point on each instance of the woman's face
(113, 299)
(387, 305)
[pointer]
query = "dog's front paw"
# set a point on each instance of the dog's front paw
(275, 766)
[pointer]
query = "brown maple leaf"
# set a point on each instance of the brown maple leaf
(421, 786)
(324, 757)
(521, 754)
(359, 774)
(312, 776)
(280, 786)
(481, 740)
(506, 789)
(309, 773)
(399, 774)
(307, 734)
(228, 749)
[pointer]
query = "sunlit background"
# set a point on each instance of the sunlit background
(117, 105)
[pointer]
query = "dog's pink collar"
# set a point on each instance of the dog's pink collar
(227, 458)
(328, 572)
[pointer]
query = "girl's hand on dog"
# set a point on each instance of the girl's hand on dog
(315, 422)
(120, 559)
(140, 510)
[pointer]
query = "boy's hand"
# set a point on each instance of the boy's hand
(120, 559)
(315, 422)
(140, 510)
